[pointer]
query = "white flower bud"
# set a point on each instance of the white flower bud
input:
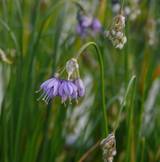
(71, 66)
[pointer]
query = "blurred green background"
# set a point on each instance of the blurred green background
(39, 36)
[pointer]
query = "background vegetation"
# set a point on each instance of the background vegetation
(38, 37)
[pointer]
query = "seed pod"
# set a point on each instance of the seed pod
(108, 146)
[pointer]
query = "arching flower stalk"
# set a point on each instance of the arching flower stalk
(116, 33)
(100, 61)
(73, 87)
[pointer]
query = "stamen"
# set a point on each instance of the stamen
(70, 101)
(47, 99)
(41, 96)
(76, 101)
(44, 98)
(64, 103)
(38, 90)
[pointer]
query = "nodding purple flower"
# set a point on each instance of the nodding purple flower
(86, 23)
(80, 87)
(50, 89)
(67, 90)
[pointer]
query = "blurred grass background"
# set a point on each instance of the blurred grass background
(37, 37)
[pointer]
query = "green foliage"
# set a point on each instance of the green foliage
(37, 38)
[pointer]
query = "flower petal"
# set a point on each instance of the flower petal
(80, 87)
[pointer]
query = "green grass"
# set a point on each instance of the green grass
(37, 38)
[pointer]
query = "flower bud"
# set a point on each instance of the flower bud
(71, 66)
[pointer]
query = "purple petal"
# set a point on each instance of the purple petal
(63, 98)
(55, 88)
(65, 90)
(50, 88)
(68, 88)
(81, 30)
(96, 25)
(75, 93)
(86, 21)
(44, 84)
(61, 90)
(80, 87)
(52, 83)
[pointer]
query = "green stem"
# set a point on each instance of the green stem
(142, 149)
(11, 34)
(132, 80)
(122, 5)
(100, 60)
(130, 134)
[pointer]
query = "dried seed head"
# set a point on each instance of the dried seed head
(109, 148)
(151, 31)
(115, 33)
(119, 22)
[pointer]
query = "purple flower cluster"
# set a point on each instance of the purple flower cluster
(66, 89)
(87, 23)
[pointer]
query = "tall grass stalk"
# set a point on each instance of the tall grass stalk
(130, 122)
(131, 85)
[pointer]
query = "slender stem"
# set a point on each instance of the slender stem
(100, 60)
(130, 134)
(12, 35)
(142, 149)
(45, 130)
(122, 5)
(132, 80)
